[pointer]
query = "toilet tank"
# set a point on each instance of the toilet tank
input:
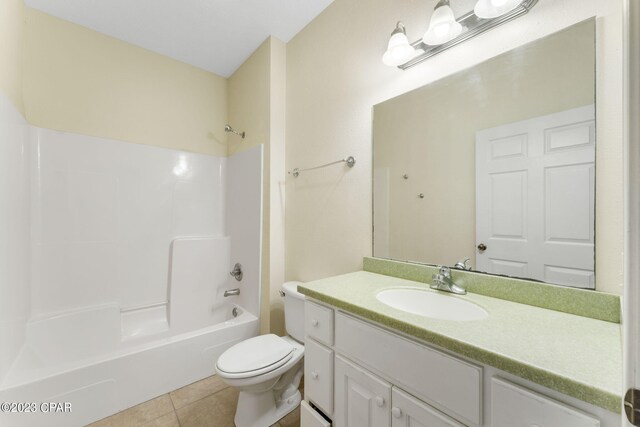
(293, 310)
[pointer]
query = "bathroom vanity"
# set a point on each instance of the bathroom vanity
(493, 166)
(369, 364)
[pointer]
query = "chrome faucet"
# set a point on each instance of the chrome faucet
(462, 264)
(442, 281)
(232, 292)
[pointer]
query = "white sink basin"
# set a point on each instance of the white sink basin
(431, 304)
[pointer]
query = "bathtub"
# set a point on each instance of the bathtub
(122, 258)
(80, 361)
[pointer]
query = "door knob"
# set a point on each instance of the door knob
(380, 401)
(396, 412)
(482, 247)
(314, 375)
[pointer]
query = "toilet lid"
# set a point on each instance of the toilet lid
(263, 353)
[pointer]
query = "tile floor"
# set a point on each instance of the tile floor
(206, 403)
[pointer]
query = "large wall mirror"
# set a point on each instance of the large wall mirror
(496, 164)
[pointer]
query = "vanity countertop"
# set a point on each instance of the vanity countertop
(578, 356)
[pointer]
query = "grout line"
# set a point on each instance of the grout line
(157, 418)
(195, 401)
(198, 400)
(173, 405)
(204, 397)
(173, 409)
(171, 399)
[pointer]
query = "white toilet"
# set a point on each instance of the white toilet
(267, 369)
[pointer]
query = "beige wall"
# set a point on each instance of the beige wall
(429, 134)
(81, 81)
(11, 24)
(335, 76)
(256, 106)
(276, 183)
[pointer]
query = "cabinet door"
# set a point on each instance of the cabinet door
(361, 399)
(407, 411)
(443, 381)
(318, 375)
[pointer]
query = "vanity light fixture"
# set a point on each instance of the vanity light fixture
(443, 26)
(445, 31)
(399, 50)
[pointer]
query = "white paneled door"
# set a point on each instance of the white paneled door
(535, 198)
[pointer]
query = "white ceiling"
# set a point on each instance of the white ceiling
(216, 35)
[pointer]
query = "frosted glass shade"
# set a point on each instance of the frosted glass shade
(399, 50)
(443, 26)
(487, 9)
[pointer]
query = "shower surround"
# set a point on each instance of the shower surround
(115, 263)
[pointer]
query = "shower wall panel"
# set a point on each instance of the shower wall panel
(244, 224)
(14, 232)
(105, 213)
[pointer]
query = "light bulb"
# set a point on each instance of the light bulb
(443, 26)
(441, 30)
(487, 9)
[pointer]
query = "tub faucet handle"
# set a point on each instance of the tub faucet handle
(236, 273)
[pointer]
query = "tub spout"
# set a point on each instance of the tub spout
(232, 292)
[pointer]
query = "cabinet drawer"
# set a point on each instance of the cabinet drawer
(514, 406)
(447, 383)
(310, 418)
(318, 322)
(409, 411)
(318, 375)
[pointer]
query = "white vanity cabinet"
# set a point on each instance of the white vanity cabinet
(341, 355)
(359, 374)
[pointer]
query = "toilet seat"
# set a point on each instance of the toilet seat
(255, 356)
